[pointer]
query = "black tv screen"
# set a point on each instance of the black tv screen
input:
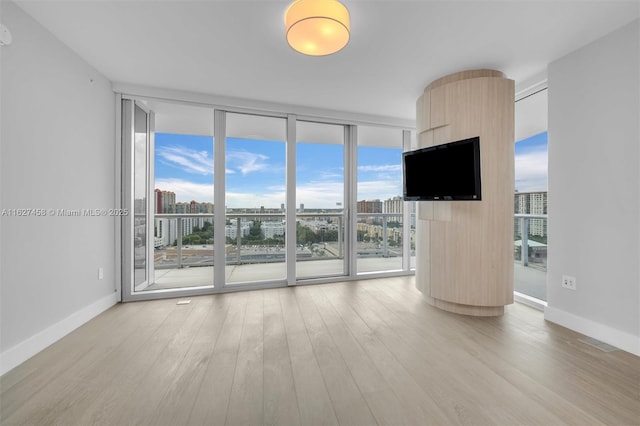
(443, 172)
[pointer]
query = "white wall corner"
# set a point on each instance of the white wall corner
(620, 339)
(24, 350)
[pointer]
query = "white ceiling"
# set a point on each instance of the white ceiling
(238, 48)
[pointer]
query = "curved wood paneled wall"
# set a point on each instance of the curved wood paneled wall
(465, 248)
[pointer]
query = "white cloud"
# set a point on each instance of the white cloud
(531, 171)
(189, 160)
(270, 200)
(384, 168)
(379, 189)
(315, 194)
(186, 191)
(318, 194)
(246, 162)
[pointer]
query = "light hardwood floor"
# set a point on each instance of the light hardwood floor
(356, 353)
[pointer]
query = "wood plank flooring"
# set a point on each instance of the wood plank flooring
(355, 353)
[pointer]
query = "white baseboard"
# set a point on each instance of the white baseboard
(538, 304)
(24, 350)
(622, 340)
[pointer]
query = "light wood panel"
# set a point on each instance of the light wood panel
(420, 115)
(438, 108)
(364, 352)
(463, 75)
(280, 399)
(470, 244)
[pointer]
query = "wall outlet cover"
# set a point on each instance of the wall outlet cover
(569, 282)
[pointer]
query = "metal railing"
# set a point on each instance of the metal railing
(378, 230)
(530, 255)
(524, 228)
(239, 234)
(180, 217)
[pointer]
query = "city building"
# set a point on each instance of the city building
(199, 207)
(376, 232)
(394, 206)
(165, 201)
(166, 231)
(534, 203)
(370, 206)
(271, 229)
(231, 230)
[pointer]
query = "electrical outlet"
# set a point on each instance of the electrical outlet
(100, 273)
(569, 282)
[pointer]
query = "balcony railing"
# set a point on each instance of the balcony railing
(378, 245)
(170, 249)
(530, 247)
(530, 255)
(379, 235)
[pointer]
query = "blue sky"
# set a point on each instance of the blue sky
(255, 171)
(531, 163)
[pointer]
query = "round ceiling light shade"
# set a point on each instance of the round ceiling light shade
(317, 27)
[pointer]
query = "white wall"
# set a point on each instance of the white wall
(594, 189)
(56, 152)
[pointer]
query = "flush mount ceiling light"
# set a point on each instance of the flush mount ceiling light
(317, 27)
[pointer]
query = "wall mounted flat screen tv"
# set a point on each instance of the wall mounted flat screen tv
(443, 172)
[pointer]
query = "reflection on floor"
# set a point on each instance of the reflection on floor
(527, 280)
(255, 272)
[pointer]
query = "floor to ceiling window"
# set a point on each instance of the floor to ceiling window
(530, 200)
(183, 197)
(255, 198)
(320, 198)
(380, 205)
(288, 192)
(173, 169)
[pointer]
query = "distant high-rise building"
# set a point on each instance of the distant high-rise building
(532, 203)
(370, 206)
(206, 208)
(193, 207)
(166, 231)
(165, 201)
(301, 208)
(395, 206)
(183, 208)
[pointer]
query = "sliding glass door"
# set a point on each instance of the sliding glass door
(137, 137)
(320, 197)
(167, 184)
(255, 154)
(182, 197)
(380, 208)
